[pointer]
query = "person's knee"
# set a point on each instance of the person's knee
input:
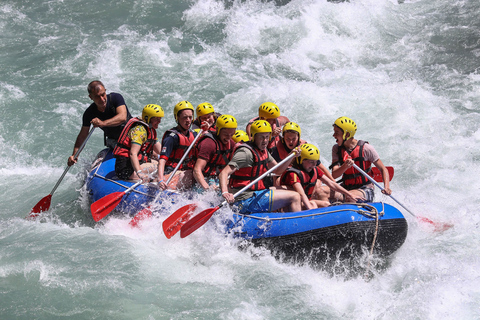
(295, 196)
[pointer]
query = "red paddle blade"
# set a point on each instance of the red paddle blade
(142, 215)
(377, 174)
(439, 227)
(197, 221)
(102, 207)
(42, 205)
(176, 220)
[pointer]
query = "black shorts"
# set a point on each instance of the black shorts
(123, 168)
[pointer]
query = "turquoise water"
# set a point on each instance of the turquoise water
(406, 73)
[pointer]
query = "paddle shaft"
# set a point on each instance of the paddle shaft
(76, 155)
(381, 188)
(183, 158)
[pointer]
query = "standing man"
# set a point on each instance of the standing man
(250, 161)
(108, 112)
(348, 151)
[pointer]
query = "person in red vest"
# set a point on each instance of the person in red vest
(137, 144)
(291, 138)
(249, 161)
(303, 177)
(175, 142)
(205, 113)
(348, 151)
(269, 112)
(214, 151)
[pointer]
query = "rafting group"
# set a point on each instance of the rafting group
(206, 150)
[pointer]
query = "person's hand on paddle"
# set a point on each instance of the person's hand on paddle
(205, 126)
(387, 191)
(297, 151)
(161, 184)
(97, 122)
(71, 160)
(276, 131)
(228, 196)
(349, 162)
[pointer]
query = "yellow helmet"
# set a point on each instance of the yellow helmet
(240, 136)
(347, 125)
(182, 105)
(269, 110)
(260, 126)
(152, 111)
(309, 152)
(226, 121)
(292, 126)
(204, 108)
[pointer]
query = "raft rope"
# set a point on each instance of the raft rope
(122, 185)
(370, 214)
(370, 254)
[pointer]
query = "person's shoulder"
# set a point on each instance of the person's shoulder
(207, 142)
(368, 146)
(170, 135)
(117, 99)
(282, 120)
(252, 120)
(115, 95)
(243, 150)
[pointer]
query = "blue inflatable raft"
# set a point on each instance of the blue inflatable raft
(320, 236)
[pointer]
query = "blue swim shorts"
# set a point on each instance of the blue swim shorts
(261, 201)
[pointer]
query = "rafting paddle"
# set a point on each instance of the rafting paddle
(44, 204)
(147, 212)
(201, 218)
(176, 220)
(438, 226)
(377, 174)
(102, 207)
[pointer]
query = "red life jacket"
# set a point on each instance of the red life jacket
(124, 142)
(307, 180)
(280, 151)
(243, 176)
(221, 158)
(179, 151)
(352, 178)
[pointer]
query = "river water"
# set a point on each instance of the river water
(407, 73)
